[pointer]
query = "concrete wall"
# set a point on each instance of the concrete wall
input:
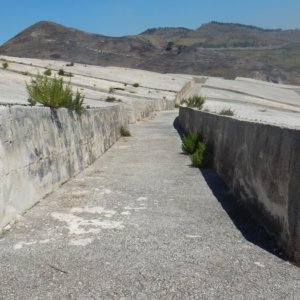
(184, 91)
(261, 165)
(40, 149)
(139, 109)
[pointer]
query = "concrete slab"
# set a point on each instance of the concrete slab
(256, 89)
(247, 106)
(133, 226)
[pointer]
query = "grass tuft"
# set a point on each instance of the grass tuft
(194, 101)
(226, 112)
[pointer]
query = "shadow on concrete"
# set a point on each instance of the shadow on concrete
(241, 218)
(177, 126)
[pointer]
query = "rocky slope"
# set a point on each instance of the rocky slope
(215, 49)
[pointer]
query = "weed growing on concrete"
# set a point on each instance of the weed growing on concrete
(25, 73)
(5, 65)
(54, 93)
(190, 142)
(48, 72)
(62, 72)
(112, 99)
(203, 155)
(194, 102)
(136, 85)
(226, 112)
(71, 64)
(125, 132)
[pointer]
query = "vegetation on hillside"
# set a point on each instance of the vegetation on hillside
(239, 50)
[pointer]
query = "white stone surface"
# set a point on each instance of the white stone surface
(253, 100)
(40, 149)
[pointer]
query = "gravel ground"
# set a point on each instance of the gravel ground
(141, 223)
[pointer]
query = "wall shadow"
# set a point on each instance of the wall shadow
(241, 218)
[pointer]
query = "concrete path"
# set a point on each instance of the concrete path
(142, 224)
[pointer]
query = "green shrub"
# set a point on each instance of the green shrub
(71, 64)
(54, 93)
(136, 85)
(48, 72)
(197, 156)
(5, 65)
(125, 132)
(226, 112)
(112, 99)
(190, 142)
(194, 101)
(61, 72)
(203, 156)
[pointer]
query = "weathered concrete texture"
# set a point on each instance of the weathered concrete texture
(139, 109)
(40, 149)
(184, 92)
(261, 165)
(250, 100)
(140, 223)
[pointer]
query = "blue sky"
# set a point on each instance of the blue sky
(121, 17)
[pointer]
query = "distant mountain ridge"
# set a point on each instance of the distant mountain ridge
(216, 49)
(242, 26)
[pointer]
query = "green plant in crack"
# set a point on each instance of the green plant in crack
(5, 65)
(190, 142)
(125, 132)
(48, 72)
(203, 156)
(226, 112)
(194, 102)
(54, 93)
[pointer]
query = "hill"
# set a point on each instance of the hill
(216, 49)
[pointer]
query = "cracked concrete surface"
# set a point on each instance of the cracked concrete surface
(140, 223)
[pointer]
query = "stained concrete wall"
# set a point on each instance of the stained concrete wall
(40, 149)
(261, 165)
